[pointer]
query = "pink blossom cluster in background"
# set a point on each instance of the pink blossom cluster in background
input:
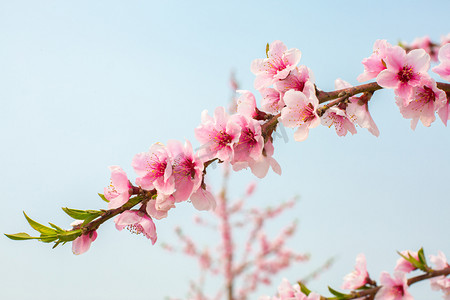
(242, 268)
(389, 288)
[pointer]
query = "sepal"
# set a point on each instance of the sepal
(304, 289)
(420, 263)
(85, 215)
(338, 295)
(103, 197)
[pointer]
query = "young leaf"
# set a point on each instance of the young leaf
(103, 197)
(68, 236)
(56, 227)
(79, 214)
(337, 294)
(47, 238)
(304, 289)
(422, 258)
(39, 227)
(21, 236)
(267, 50)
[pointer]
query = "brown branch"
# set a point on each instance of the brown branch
(143, 197)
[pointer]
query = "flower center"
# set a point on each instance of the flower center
(156, 168)
(185, 167)
(397, 290)
(405, 74)
(426, 95)
(307, 114)
(135, 228)
(247, 137)
(222, 139)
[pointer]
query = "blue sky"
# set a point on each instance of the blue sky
(89, 84)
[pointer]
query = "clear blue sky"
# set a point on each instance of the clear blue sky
(88, 84)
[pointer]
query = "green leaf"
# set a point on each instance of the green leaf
(103, 197)
(267, 50)
(304, 289)
(47, 238)
(21, 236)
(39, 227)
(89, 219)
(337, 294)
(422, 258)
(56, 227)
(79, 214)
(68, 236)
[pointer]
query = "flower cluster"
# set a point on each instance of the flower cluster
(174, 173)
(417, 94)
(390, 288)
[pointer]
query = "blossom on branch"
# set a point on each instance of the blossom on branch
(393, 288)
(217, 135)
(357, 109)
(82, 243)
(425, 100)
(403, 265)
(277, 65)
(441, 282)
(137, 222)
(118, 190)
(155, 169)
(443, 69)
(337, 117)
(359, 277)
(375, 63)
(404, 71)
(300, 111)
(187, 169)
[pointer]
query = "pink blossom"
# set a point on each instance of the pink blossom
(403, 265)
(217, 135)
(277, 65)
(118, 190)
(187, 169)
(357, 109)
(82, 243)
(393, 288)
(246, 104)
(440, 261)
(155, 169)
(425, 44)
(287, 292)
(425, 100)
(359, 277)
(338, 117)
(374, 64)
(444, 112)
(300, 111)
(137, 222)
(164, 202)
(295, 80)
(205, 260)
(250, 144)
(445, 39)
(443, 69)
(202, 199)
(441, 282)
(404, 71)
(158, 212)
(261, 165)
(271, 101)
